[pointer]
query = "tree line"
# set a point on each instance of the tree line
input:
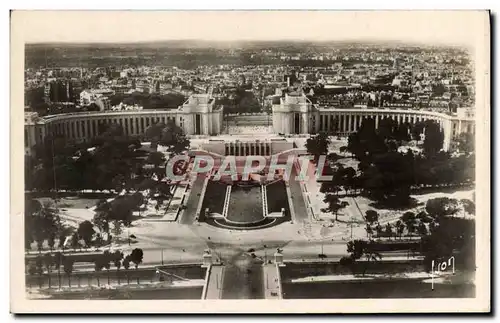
(58, 261)
(109, 161)
(149, 100)
(443, 233)
(386, 172)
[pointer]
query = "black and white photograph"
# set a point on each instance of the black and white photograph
(331, 157)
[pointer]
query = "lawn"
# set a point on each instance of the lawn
(71, 203)
(245, 204)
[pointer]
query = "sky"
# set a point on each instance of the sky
(429, 27)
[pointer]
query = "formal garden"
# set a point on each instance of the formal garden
(397, 199)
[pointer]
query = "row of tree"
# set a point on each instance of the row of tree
(42, 223)
(110, 161)
(387, 174)
(49, 262)
(442, 233)
(149, 101)
(242, 101)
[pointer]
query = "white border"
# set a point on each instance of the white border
(213, 5)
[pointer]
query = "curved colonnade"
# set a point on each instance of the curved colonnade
(346, 121)
(86, 125)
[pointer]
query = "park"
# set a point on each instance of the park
(106, 213)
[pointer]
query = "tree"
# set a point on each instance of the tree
(388, 230)
(98, 265)
(400, 228)
(68, 268)
(39, 269)
(349, 179)
(334, 205)
(117, 262)
(136, 257)
(58, 262)
(117, 228)
(173, 137)
(369, 231)
(39, 238)
(98, 240)
(434, 138)
(347, 262)
(121, 209)
(156, 158)
(432, 226)
(75, 241)
(51, 240)
(160, 192)
(126, 265)
(466, 142)
(410, 222)
(107, 258)
(63, 234)
(360, 248)
(451, 236)
(101, 221)
(416, 131)
(48, 262)
(422, 216)
(86, 232)
(318, 145)
(441, 206)
(42, 223)
(422, 229)
(379, 231)
(468, 206)
(356, 248)
(371, 217)
(403, 132)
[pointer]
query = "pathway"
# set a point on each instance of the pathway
(189, 212)
(242, 278)
(297, 198)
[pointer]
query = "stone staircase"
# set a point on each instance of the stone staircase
(226, 201)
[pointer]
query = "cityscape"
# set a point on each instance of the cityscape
(211, 170)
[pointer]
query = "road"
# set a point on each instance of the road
(191, 292)
(305, 250)
(242, 278)
(88, 277)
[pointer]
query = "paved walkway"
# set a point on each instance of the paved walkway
(297, 198)
(189, 212)
(214, 286)
(175, 202)
(272, 283)
(242, 278)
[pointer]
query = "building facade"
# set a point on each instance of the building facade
(295, 114)
(197, 116)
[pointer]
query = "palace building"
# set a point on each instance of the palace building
(199, 116)
(295, 114)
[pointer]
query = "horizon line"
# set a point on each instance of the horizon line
(201, 40)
